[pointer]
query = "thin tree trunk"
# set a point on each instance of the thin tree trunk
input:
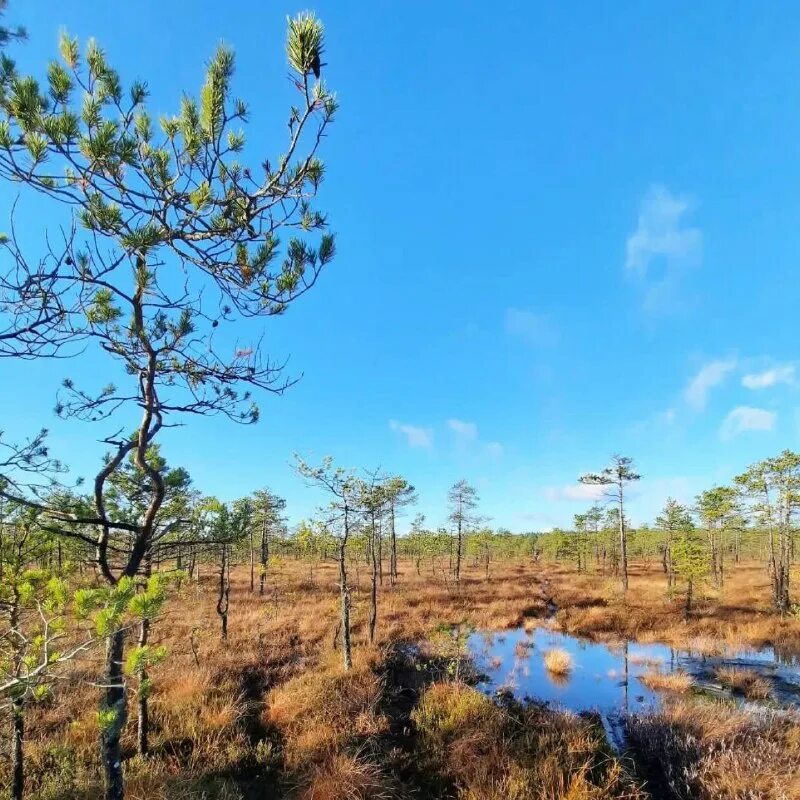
(688, 607)
(393, 553)
(143, 729)
(264, 554)
(17, 752)
(373, 599)
(623, 541)
(380, 552)
(114, 717)
(457, 573)
(144, 712)
(224, 591)
(344, 595)
(252, 563)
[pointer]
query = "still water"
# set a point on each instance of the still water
(607, 678)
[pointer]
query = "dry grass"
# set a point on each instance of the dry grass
(489, 752)
(346, 777)
(738, 617)
(710, 752)
(677, 681)
(745, 681)
(645, 661)
(320, 712)
(273, 707)
(558, 661)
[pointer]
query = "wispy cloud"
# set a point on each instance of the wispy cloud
(582, 492)
(536, 330)
(747, 418)
(467, 439)
(415, 435)
(708, 376)
(662, 248)
(784, 373)
(464, 431)
(494, 449)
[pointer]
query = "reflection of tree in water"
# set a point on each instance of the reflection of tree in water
(625, 675)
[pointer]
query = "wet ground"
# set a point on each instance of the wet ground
(606, 678)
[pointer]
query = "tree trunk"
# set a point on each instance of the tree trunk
(373, 599)
(344, 594)
(115, 715)
(17, 752)
(224, 591)
(252, 563)
(688, 607)
(380, 552)
(143, 730)
(393, 553)
(457, 571)
(623, 541)
(264, 554)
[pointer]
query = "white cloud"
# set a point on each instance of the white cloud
(709, 376)
(415, 436)
(660, 250)
(464, 431)
(534, 329)
(770, 377)
(747, 418)
(583, 492)
(494, 449)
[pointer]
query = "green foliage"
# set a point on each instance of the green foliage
(149, 602)
(450, 643)
(107, 718)
(690, 555)
(305, 43)
(143, 658)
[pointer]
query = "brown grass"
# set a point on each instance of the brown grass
(738, 617)
(272, 705)
(558, 661)
(710, 752)
(321, 711)
(746, 681)
(677, 681)
(493, 753)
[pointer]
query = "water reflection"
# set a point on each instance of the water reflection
(607, 678)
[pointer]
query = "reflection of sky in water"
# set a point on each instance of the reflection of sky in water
(513, 660)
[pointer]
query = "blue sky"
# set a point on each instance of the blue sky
(563, 232)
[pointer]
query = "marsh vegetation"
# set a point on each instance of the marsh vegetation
(159, 641)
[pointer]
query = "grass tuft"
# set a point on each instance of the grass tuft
(677, 681)
(558, 661)
(745, 681)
